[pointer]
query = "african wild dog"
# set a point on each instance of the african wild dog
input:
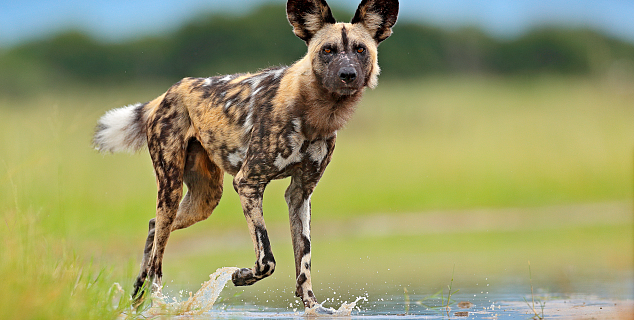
(279, 122)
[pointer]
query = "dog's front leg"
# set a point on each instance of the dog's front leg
(298, 199)
(251, 198)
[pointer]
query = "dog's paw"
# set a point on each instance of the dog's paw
(243, 277)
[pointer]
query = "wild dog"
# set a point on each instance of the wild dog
(279, 122)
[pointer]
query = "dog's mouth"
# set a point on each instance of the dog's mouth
(343, 88)
(347, 91)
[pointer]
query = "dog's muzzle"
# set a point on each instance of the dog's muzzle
(347, 74)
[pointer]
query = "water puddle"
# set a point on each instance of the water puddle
(502, 307)
(560, 308)
(205, 304)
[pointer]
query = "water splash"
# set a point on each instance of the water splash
(344, 311)
(204, 299)
(200, 302)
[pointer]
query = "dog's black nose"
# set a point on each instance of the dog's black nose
(347, 74)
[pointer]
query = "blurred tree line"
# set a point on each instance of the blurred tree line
(218, 44)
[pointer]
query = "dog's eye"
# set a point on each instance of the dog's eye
(360, 50)
(327, 50)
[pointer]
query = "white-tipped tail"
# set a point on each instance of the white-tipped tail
(121, 129)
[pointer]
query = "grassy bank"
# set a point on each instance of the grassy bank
(44, 277)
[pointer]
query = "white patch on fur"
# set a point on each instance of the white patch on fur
(248, 122)
(255, 89)
(277, 73)
(261, 253)
(374, 76)
(226, 78)
(295, 156)
(118, 132)
(207, 82)
(255, 80)
(304, 216)
(236, 157)
(306, 261)
(297, 125)
(296, 141)
(317, 151)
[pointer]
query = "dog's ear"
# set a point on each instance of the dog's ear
(378, 16)
(308, 16)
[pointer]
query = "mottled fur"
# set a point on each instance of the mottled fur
(280, 122)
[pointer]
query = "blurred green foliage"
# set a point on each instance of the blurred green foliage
(221, 43)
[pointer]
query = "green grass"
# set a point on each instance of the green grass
(434, 143)
(44, 278)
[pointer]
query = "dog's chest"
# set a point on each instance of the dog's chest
(301, 151)
(279, 156)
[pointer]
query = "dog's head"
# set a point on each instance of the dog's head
(343, 55)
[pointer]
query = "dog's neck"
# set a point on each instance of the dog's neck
(322, 112)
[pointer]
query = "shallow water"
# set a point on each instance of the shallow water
(500, 307)
(471, 303)
(581, 261)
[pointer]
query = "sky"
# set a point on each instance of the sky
(117, 20)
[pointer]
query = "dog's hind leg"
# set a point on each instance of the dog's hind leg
(169, 180)
(167, 138)
(170, 190)
(204, 187)
(147, 251)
